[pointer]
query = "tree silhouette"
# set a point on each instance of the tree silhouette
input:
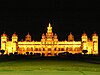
(2, 52)
(84, 51)
(27, 53)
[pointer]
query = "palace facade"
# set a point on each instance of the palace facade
(49, 44)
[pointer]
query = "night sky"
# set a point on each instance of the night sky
(65, 16)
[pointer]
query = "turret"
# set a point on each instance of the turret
(55, 37)
(95, 43)
(28, 38)
(4, 39)
(70, 37)
(49, 29)
(14, 38)
(84, 41)
(84, 37)
(49, 33)
(94, 37)
(43, 38)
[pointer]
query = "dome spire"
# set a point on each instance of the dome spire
(70, 37)
(49, 24)
(49, 28)
(4, 34)
(14, 34)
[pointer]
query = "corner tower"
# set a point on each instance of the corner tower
(95, 43)
(14, 38)
(84, 41)
(84, 37)
(4, 39)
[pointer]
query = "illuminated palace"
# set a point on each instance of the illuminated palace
(49, 44)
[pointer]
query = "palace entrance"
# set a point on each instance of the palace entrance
(50, 52)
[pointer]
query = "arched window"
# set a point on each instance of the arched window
(49, 49)
(39, 49)
(62, 49)
(31, 49)
(43, 49)
(55, 49)
(36, 49)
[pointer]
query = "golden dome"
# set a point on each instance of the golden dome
(94, 34)
(70, 35)
(55, 34)
(84, 34)
(28, 35)
(14, 34)
(43, 34)
(4, 34)
(49, 25)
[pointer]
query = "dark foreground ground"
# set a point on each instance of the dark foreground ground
(60, 65)
(59, 58)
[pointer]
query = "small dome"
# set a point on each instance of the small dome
(94, 34)
(89, 39)
(84, 34)
(28, 35)
(70, 35)
(4, 34)
(55, 34)
(43, 34)
(14, 34)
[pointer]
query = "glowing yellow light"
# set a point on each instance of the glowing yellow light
(49, 43)
(49, 25)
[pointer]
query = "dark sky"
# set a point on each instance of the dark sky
(65, 16)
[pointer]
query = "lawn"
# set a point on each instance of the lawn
(48, 67)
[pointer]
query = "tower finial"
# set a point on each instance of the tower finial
(49, 24)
